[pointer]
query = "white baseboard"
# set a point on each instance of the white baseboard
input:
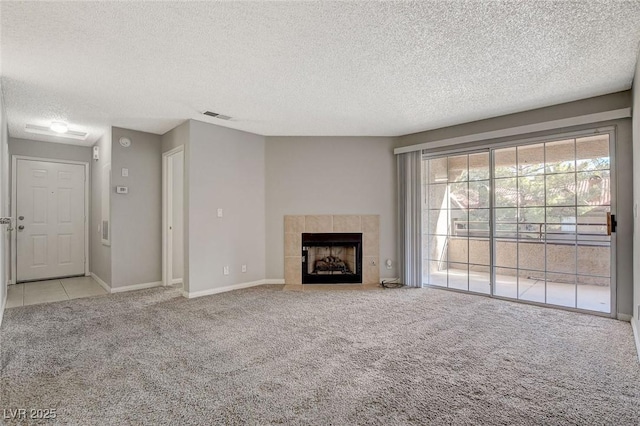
(110, 289)
(104, 285)
(176, 281)
(625, 317)
(274, 281)
(136, 287)
(208, 292)
(636, 335)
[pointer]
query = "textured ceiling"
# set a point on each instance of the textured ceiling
(307, 68)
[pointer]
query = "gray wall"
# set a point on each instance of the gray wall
(636, 196)
(173, 139)
(55, 151)
(99, 254)
(329, 175)
(571, 109)
(4, 206)
(226, 170)
(136, 217)
(623, 160)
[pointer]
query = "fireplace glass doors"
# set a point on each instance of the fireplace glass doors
(331, 258)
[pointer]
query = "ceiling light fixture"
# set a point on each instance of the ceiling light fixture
(59, 127)
(47, 131)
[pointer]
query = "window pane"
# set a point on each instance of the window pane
(438, 222)
(459, 276)
(561, 258)
(459, 222)
(458, 168)
(506, 282)
(531, 286)
(479, 166)
(479, 194)
(479, 222)
(530, 159)
(593, 188)
(437, 194)
(505, 162)
(560, 156)
(479, 253)
(531, 191)
(458, 250)
(561, 189)
(438, 170)
(437, 273)
(592, 153)
(506, 193)
(594, 293)
(506, 254)
(561, 289)
(531, 256)
(594, 260)
(458, 194)
(561, 215)
(592, 223)
(436, 248)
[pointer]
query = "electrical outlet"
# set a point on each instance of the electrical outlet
(389, 264)
(219, 212)
(225, 270)
(244, 268)
(125, 172)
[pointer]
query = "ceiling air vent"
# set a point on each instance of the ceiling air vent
(216, 115)
(42, 130)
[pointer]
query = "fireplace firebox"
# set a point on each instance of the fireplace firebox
(331, 258)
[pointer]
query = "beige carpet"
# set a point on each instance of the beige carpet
(261, 356)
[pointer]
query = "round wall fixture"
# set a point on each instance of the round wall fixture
(125, 142)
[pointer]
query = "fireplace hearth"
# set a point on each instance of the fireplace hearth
(331, 258)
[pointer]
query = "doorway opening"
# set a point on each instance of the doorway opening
(531, 221)
(49, 202)
(173, 217)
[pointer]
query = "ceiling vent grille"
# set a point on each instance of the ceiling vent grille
(216, 115)
(43, 130)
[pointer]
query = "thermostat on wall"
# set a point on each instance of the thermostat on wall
(122, 189)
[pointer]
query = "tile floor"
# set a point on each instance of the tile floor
(52, 291)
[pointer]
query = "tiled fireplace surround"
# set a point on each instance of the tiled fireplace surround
(295, 226)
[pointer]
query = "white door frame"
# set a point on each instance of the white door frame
(167, 215)
(14, 208)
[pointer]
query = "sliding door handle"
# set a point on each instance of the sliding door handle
(612, 224)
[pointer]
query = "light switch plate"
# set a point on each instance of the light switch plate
(244, 268)
(225, 270)
(122, 189)
(125, 172)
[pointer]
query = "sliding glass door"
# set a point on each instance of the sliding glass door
(456, 238)
(528, 222)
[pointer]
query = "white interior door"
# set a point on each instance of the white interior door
(50, 220)
(176, 173)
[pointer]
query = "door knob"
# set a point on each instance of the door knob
(20, 228)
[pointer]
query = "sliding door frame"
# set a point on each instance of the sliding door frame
(491, 147)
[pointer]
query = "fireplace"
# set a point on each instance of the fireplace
(331, 258)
